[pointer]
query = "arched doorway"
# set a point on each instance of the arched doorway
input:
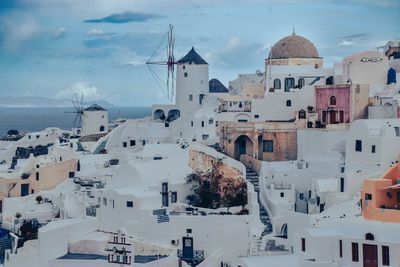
(102, 128)
(158, 115)
(283, 232)
(173, 114)
(243, 145)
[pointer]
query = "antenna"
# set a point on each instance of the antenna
(169, 62)
(78, 105)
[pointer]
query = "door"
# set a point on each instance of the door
(332, 117)
(242, 147)
(370, 255)
(24, 190)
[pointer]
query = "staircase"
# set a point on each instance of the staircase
(5, 243)
(252, 177)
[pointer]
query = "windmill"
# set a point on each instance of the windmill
(167, 41)
(78, 105)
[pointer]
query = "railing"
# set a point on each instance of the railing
(235, 106)
(198, 256)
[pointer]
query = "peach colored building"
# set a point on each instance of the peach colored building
(381, 197)
(270, 141)
(43, 178)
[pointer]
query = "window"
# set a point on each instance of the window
(174, 197)
(164, 187)
(268, 146)
(210, 121)
(71, 174)
(368, 197)
(183, 67)
(205, 136)
(102, 128)
(256, 116)
(191, 123)
(277, 84)
(282, 194)
(354, 252)
(124, 144)
(332, 100)
(202, 123)
(37, 176)
(112, 203)
(397, 131)
(340, 248)
(373, 149)
(302, 114)
(303, 244)
(133, 142)
(37, 166)
(104, 201)
(201, 97)
(190, 97)
(289, 83)
(185, 74)
(369, 236)
(288, 103)
(358, 145)
(385, 256)
(129, 204)
(301, 82)
(143, 142)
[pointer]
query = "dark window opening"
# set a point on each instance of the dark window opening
(369, 236)
(289, 83)
(303, 244)
(174, 197)
(288, 103)
(71, 174)
(368, 197)
(282, 194)
(268, 146)
(358, 145)
(202, 123)
(340, 248)
(385, 256)
(129, 204)
(124, 144)
(277, 84)
(354, 252)
(37, 176)
(324, 116)
(373, 149)
(133, 142)
(332, 100)
(256, 116)
(185, 74)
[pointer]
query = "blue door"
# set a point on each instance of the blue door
(24, 190)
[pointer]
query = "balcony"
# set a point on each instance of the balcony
(198, 257)
(235, 106)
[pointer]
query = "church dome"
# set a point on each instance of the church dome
(293, 46)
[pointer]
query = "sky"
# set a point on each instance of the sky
(57, 48)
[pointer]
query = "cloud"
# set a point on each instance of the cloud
(353, 39)
(84, 88)
(141, 43)
(59, 32)
(16, 29)
(125, 18)
(238, 54)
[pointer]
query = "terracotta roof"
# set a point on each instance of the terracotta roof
(293, 46)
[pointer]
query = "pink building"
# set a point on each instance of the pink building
(341, 103)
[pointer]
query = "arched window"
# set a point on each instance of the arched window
(369, 236)
(332, 100)
(277, 84)
(101, 128)
(288, 103)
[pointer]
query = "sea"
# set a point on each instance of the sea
(28, 119)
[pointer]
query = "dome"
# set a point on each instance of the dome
(293, 46)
